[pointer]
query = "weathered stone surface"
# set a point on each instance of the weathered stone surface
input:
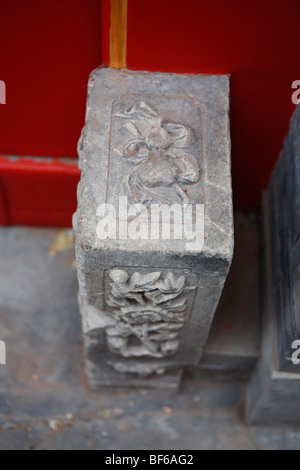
(274, 391)
(284, 214)
(148, 301)
(273, 396)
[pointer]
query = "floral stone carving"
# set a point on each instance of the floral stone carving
(155, 148)
(149, 313)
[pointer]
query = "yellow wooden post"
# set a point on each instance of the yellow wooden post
(118, 33)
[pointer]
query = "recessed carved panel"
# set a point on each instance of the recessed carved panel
(156, 155)
(157, 149)
(149, 312)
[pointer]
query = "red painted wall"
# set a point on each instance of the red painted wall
(47, 50)
(36, 191)
(49, 47)
(257, 41)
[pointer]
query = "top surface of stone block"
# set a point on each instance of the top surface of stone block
(156, 138)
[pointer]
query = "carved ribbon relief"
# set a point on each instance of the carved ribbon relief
(156, 147)
(149, 312)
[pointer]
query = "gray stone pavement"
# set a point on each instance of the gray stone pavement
(45, 402)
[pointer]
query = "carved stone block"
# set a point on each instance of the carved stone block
(154, 231)
(284, 219)
(274, 391)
